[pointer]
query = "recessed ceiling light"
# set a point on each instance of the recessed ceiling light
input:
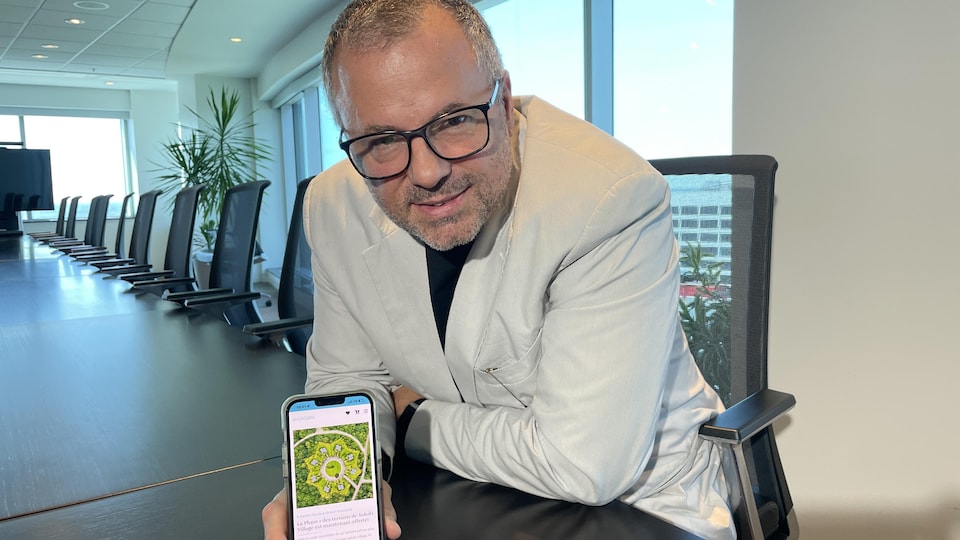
(74, 21)
(93, 6)
(236, 39)
(49, 46)
(109, 83)
(39, 56)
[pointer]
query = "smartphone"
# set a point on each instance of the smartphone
(331, 467)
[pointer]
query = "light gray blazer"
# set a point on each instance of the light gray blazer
(563, 340)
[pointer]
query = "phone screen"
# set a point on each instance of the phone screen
(334, 477)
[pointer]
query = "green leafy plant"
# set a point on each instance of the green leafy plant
(219, 153)
(705, 318)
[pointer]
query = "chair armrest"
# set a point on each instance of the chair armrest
(277, 329)
(221, 298)
(55, 238)
(88, 250)
(181, 297)
(95, 257)
(76, 248)
(112, 262)
(149, 277)
(173, 281)
(124, 269)
(746, 418)
(65, 243)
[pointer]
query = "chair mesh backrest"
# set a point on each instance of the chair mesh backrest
(118, 248)
(142, 226)
(97, 221)
(723, 217)
(233, 252)
(71, 225)
(62, 216)
(180, 239)
(295, 294)
(92, 212)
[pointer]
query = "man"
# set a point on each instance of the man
(502, 277)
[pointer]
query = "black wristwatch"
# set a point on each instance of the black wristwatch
(403, 423)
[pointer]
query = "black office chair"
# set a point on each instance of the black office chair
(139, 240)
(101, 252)
(57, 243)
(69, 227)
(61, 220)
(93, 233)
(120, 242)
(295, 294)
(176, 260)
(723, 217)
(232, 261)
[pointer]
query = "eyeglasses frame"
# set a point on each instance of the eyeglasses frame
(421, 132)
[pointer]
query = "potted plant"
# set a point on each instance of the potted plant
(219, 153)
(705, 317)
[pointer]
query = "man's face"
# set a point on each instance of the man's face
(443, 203)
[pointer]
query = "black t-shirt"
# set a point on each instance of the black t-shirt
(443, 271)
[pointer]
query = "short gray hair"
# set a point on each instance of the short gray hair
(366, 25)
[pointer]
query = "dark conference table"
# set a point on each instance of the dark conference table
(125, 416)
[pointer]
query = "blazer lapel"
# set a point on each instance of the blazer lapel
(398, 268)
(476, 293)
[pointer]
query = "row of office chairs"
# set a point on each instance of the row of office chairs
(229, 290)
(229, 293)
(66, 222)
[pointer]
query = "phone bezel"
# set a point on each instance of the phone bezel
(330, 399)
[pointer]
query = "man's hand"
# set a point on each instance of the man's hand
(402, 397)
(275, 516)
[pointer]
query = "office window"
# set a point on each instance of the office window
(330, 151)
(673, 73)
(542, 46)
(708, 224)
(88, 157)
(690, 210)
(689, 223)
(10, 131)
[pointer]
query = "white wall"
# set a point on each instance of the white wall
(858, 101)
(154, 115)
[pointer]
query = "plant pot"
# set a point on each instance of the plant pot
(201, 268)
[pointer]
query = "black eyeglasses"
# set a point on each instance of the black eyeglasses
(454, 135)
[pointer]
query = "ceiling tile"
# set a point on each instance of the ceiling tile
(161, 13)
(148, 28)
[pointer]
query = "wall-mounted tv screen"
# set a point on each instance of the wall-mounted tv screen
(25, 180)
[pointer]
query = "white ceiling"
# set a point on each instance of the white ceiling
(136, 42)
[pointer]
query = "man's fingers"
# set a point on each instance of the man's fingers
(275, 517)
(391, 527)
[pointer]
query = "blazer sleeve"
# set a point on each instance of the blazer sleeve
(340, 356)
(608, 333)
